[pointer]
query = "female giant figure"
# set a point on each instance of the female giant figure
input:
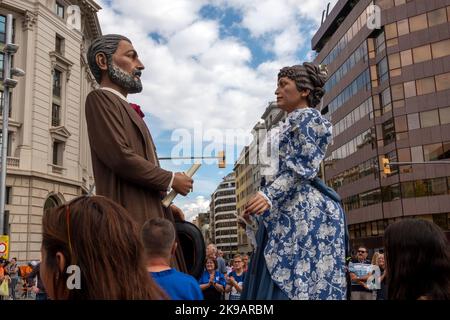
(300, 250)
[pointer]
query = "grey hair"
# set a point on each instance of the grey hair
(307, 76)
(106, 44)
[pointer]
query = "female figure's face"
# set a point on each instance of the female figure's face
(210, 265)
(288, 97)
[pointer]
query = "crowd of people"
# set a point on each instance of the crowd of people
(414, 263)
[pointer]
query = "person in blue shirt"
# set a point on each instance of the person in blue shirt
(212, 282)
(158, 236)
(235, 279)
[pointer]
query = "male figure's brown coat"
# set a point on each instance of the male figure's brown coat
(126, 167)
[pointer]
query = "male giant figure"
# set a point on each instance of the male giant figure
(126, 167)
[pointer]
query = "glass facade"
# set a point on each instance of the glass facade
(406, 117)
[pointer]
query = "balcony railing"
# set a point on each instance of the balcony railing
(11, 162)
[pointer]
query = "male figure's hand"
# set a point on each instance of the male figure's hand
(182, 184)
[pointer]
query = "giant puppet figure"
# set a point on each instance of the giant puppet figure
(126, 167)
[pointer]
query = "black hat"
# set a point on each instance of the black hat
(193, 246)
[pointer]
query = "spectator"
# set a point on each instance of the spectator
(382, 292)
(245, 259)
(222, 265)
(212, 282)
(25, 271)
(211, 251)
(13, 271)
(4, 277)
(35, 281)
(158, 236)
(236, 279)
(375, 258)
(360, 270)
(99, 237)
(417, 261)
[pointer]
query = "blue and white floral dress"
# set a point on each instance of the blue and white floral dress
(303, 244)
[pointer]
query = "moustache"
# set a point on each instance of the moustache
(137, 73)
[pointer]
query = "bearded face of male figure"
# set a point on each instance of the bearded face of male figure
(131, 82)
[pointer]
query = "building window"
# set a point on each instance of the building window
(444, 115)
(382, 68)
(418, 22)
(56, 115)
(422, 53)
(432, 152)
(407, 189)
(402, 27)
(406, 57)
(438, 186)
(57, 83)
(413, 121)
(388, 132)
(51, 202)
(425, 86)
(446, 153)
(2, 29)
(410, 89)
(429, 118)
(2, 103)
(2, 65)
(436, 17)
(8, 195)
(441, 49)
(380, 43)
(386, 99)
(8, 146)
(58, 147)
(417, 154)
(443, 81)
(59, 10)
(59, 45)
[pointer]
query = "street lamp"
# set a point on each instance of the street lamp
(8, 83)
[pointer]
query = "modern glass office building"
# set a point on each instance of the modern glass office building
(388, 96)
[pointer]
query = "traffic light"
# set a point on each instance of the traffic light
(221, 157)
(386, 166)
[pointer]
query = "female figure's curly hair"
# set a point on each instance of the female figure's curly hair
(307, 76)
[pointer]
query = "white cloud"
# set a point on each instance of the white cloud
(192, 209)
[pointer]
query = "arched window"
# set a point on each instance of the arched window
(51, 202)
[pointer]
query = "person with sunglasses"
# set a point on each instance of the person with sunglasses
(360, 270)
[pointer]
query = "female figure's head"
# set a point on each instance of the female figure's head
(417, 260)
(98, 237)
(211, 265)
(300, 86)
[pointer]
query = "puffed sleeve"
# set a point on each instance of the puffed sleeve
(305, 143)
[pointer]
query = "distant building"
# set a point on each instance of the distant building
(222, 216)
(388, 96)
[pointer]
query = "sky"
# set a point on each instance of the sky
(210, 72)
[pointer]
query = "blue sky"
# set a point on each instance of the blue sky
(211, 68)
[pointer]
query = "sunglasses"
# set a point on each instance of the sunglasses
(362, 251)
